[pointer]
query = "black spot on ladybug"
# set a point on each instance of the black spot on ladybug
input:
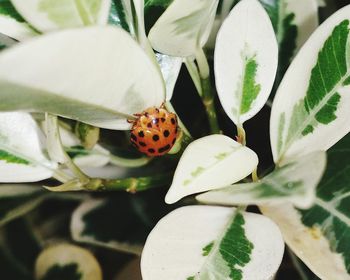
(142, 144)
(141, 134)
(173, 121)
(163, 149)
(152, 151)
(155, 121)
(155, 138)
(134, 144)
(174, 140)
(133, 137)
(162, 119)
(149, 125)
(166, 133)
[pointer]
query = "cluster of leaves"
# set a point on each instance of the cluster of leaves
(84, 68)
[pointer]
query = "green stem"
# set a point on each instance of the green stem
(134, 184)
(255, 176)
(207, 93)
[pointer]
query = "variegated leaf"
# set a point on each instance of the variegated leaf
(22, 157)
(204, 242)
(310, 111)
(66, 261)
(48, 15)
(295, 182)
(246, 57)
(208, 163)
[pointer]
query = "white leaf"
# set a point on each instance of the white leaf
(295, 182)
(64, 254)
(48, 15)
(208, 163)
(177, 248)
(170, 67)
(184, 27)
(310, 111)
(246, 59)
(103, 89)
(21, 150)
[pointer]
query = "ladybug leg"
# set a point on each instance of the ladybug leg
(130, 121)
(162, 106)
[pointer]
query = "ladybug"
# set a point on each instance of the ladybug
(155, 131)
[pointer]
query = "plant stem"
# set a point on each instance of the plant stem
(255, 176)
(135, 184)
(56, 150)
(241, 135)
(207, 93)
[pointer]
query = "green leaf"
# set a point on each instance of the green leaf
(67, 272)
(7, 9)
(250, 88)
(9, 158)
(17, 200)
(245, 246)
(48, 15)
(314, 116)
(66, 261)
(58, 91)
(117, 15)
(294, 182)
(18, 250)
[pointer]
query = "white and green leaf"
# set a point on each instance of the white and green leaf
(48, 15)
(18, 200)
(12, 23)
(183, 27)
(95, 157)
(295, 182)
(246, 57)
(63, 261)
(103, 89)
(105, 223)
(118, 15)
(217, 243)
(320, 236)
(310, 111)
(209, 163)
(293, 21)
(22, 157)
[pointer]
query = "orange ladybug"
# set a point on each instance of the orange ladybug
(154, 132)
